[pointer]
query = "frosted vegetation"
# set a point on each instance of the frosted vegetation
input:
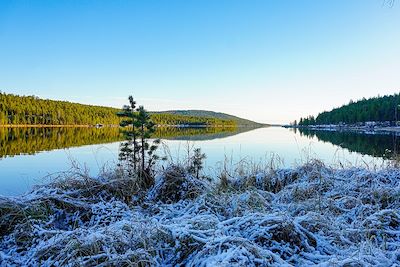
(309, 215)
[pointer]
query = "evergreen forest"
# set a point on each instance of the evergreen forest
(31, 110)
(377, 109)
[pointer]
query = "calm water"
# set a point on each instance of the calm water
(27, 156)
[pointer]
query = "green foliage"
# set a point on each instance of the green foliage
(146, 129)
(377, 109)
(129, 149)
(138, 154)
(167, 119)
(310, 120)
(126, 156)
(222, 117)
(31, 110)
(196, 162)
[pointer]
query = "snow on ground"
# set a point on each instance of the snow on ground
(310, 215)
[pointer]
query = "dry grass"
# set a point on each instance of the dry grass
(175, 184)
(309, 215)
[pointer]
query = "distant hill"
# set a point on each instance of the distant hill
(378, 109)
(212, 114)
(31, 110)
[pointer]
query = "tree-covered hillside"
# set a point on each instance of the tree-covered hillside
(377, 109)
(212, 114)
(176, 119)
(31, 110)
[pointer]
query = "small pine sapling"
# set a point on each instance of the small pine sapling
(129, 149)
(197, 162)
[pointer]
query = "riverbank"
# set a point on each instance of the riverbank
(309, 215)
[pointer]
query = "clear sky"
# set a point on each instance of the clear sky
(270, 61)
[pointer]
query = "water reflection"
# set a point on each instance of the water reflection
(377, 145)
(96, 148)
(22, 141)
(198, 134)
(28, 141)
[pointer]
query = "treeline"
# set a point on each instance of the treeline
(31, 110)
(378, 109)
(172, 119)
(211, 114)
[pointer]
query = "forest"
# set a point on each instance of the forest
(378, 109)
(174, 119)
(31, 110)
(211, 114)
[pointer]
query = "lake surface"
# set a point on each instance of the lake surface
(29, 155)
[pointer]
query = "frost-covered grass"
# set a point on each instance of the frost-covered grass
(309, 215)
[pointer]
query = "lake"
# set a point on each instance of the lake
(29, 155)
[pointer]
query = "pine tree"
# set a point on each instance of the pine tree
(136, 150)
(146, 129)
(196, 163)
(130, 118)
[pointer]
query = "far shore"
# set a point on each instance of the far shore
(52, 126)
(101, 126)
(363, 129)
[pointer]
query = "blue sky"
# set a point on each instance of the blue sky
(270, 61)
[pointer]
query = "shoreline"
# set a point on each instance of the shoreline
(360, 129)
(116, 126)
(49, 126)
